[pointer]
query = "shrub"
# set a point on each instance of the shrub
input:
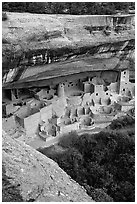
(4, 16)
(99, 195)
(122, 122)
(68, 140)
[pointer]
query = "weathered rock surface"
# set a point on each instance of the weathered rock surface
(30, 176)
(24, 32)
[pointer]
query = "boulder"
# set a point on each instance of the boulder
(30, 176)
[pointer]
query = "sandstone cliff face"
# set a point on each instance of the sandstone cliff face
(24, 33)
(30, 176)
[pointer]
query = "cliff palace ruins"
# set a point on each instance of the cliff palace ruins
(81, 78)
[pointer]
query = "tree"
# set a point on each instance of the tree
(75, 8)
(103, 163)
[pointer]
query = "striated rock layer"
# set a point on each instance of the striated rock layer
(40, 47)
(26, 33)
(30, 176)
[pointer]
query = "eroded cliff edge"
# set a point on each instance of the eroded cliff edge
(30, 176)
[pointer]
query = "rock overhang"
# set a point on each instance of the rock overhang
(26, 33)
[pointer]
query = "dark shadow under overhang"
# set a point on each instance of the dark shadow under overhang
(45, 73)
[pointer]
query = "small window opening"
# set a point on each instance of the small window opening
(96, 94)
(123, 89)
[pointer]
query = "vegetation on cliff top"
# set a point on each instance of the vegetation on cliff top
(103, 163)
(75, 8)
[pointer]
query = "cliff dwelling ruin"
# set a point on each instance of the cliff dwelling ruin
(51, 91)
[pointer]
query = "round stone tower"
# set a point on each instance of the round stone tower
(61, 90)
